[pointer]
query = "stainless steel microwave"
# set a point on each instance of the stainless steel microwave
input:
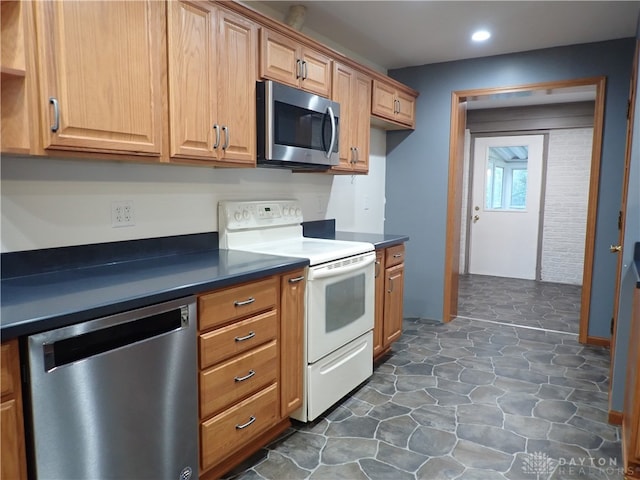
(296, 129)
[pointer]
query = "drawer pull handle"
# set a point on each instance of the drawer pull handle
(245, 425)
(246, 377)
(246, 337)
(297, 279)
(397, 255)
(244, 302)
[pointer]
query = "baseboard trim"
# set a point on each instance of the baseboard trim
(598, 341)
(615, 417)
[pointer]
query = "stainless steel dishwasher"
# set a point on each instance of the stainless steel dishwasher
(116, 397)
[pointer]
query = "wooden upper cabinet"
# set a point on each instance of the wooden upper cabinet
(352, 90)
(393, 104)
(101, 69)
(212, 75)
(237, 75)
(192, 96)
(284, 60)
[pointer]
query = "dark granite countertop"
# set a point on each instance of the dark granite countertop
(45, 301)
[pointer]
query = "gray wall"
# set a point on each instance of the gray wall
(628, 275)
(417, 162)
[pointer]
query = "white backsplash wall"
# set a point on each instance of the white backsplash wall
(48, 202)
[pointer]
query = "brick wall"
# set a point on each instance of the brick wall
(565, 205)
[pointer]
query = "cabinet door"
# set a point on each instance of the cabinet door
(192, 79)
(237, 74)
(394, 287)
(103, 63)
(406, 109)
(279, 58)
(291, 341)
(383, 100)
(342, 93)
(13, 463)
(361, 122)
(378, 326)
(316, 72)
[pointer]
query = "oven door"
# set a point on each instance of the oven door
(340, 303)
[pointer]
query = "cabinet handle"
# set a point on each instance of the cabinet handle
(245, 425)
(225, 129)
(246, 377)
(304, 70)
(399, 106)
(246, 337)
(397, 255)
(390, 285)
(298, 68)
(216, 127)
(297, 279)
(377, 268)
(357, 154)
(56, 114)
(244, 302)
(353, 154)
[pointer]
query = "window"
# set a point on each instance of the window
(506, 178)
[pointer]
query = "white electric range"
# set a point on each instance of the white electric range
(339, 297)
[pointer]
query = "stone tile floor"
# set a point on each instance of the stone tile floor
(552, 306)
(464, 400)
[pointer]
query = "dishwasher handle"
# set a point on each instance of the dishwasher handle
(135, 327)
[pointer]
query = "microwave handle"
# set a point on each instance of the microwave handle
(333, 131)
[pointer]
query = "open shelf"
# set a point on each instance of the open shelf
(14, 135)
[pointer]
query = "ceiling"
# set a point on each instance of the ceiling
(394, 34)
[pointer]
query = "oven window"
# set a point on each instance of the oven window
(344, 302)
(299, 127)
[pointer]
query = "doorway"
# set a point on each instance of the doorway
(456, 165)
(505, 198)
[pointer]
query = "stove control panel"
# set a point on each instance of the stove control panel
(235, 215)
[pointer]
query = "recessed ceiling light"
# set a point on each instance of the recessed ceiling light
(480, 36)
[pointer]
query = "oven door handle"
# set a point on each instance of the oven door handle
(334, 272)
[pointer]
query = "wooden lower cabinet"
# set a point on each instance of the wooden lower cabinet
(631, 415)
(250, 378)
(13, 463)
(292, 341)
(389, 287)
(230, 430)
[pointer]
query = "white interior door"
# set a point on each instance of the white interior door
(507, 180)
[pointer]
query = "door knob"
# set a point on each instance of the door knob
(476, 218)
(615, 248)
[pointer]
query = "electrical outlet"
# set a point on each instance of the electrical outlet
(122, 214)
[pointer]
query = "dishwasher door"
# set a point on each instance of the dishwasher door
(116, 397)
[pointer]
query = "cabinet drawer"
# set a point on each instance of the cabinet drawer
(238, 337)
(229, 431)
(230, 381)
(6, 371)
(394, 255)
(229, 304)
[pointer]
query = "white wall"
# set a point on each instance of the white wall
(47, 202)
(565, 205)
